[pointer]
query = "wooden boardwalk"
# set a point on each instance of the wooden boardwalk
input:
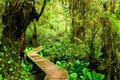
(52, 71)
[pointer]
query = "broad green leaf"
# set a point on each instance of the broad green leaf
(10, 69)
(82, 77)
(1, 53)
(61, 64)
(0, 77)
(73, 76)
(10, 61)
(100, 76)
(0, 68)
(85, 70)
(89, 75)
(5, 48)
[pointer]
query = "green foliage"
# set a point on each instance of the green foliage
(61, 64)
(28, 49)
(78, 66)
(66, 56)
(62, 48)
(73, 76)
(0, 77)
(116, 22)
(26, 66)
(52, 23)
(51, 32)
(75, 68)
(78, 70)
(91, 75)
(11, 66)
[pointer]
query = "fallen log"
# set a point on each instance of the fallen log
(52, 71)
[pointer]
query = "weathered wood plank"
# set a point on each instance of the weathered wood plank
(52, 71)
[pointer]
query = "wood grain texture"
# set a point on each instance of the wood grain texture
(52, 71)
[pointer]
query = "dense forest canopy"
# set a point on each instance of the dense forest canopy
(80, 36)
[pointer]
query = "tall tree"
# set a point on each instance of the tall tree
(16, 17)
(78, 11)
(108, 42)
(93, 28)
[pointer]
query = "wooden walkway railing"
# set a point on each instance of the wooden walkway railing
(52, 71)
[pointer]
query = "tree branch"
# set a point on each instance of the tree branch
(42, 10)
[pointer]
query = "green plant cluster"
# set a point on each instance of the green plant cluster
(78, 70)
(12, 67)
(91, 75)
(65, 55)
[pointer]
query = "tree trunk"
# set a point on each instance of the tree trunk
(78, 10)
(108, 40)
(17, 16)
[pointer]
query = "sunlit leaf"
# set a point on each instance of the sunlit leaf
(10, 69)
(0, 77)
(73, 76)
(89, 76)
(5, 48)
(0, 68)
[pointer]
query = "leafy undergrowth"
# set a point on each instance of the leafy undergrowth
(67, 55)
(11, 66)
(63, 53)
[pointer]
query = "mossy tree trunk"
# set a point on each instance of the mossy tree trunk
(108, 42)
(78, 10)
(85, 27)
(16, 17)
(93, 28)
